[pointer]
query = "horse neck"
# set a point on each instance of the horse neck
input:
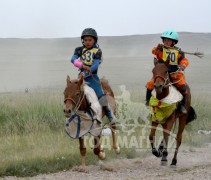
(84, 104)
(163, 94)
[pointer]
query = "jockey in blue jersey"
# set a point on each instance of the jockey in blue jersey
(88, 58)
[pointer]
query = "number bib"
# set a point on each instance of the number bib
(88, 56)
(173, 54)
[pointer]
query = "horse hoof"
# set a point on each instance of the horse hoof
(160, 148)
(102, 155)
(101, 148)
(164, 158)
(164, 163)
(117, 150)
(174, 162)
(83, 169)
(156, 153)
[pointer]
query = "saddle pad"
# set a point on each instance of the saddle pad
(174, 96)
(82, 123)
(160, 111)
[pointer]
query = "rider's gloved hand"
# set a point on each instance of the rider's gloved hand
(85, 73)
(182, 67)
(81, 74)
(159, 47)
(86, 68)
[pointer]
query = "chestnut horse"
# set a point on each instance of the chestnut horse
(162, 85)
(74, 96)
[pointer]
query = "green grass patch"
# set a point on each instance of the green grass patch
(33, 140)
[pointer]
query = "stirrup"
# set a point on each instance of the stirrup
(183, 110)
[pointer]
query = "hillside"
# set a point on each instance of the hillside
(30, 63)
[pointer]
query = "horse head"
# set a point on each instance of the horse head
(74, 95)
(160, 75)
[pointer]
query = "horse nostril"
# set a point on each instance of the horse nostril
(67, 111)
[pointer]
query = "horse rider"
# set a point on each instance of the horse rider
(88, 58)
(176, 67)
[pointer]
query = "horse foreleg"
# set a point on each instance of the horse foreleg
(166, 132)
(98, 149)
(82, 151)
(160, 148)
(182, 123)
(152, 139)
(115, 145)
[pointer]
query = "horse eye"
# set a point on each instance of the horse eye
(78, 93)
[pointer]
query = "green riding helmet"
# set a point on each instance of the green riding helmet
(171, 34)
(89, 32)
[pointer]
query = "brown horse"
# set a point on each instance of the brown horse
(74, 96)
(161, 85)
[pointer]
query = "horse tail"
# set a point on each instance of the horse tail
(191, 115)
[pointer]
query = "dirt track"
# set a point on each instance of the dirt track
(194, 164)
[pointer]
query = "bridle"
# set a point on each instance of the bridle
(77, 104)
(166, 80)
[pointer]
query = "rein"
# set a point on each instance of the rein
(175, 76)
(166, 83)
(91, 75)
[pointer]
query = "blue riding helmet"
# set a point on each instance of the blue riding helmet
(170, 34)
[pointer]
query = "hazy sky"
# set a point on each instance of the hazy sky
(67, 18)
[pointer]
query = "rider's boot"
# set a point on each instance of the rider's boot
(108, 112)
(148, 96)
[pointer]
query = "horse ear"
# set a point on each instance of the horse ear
(167, 60)
(80, 80)
(68, 79)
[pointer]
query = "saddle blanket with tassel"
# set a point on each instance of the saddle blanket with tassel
(162, 109)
